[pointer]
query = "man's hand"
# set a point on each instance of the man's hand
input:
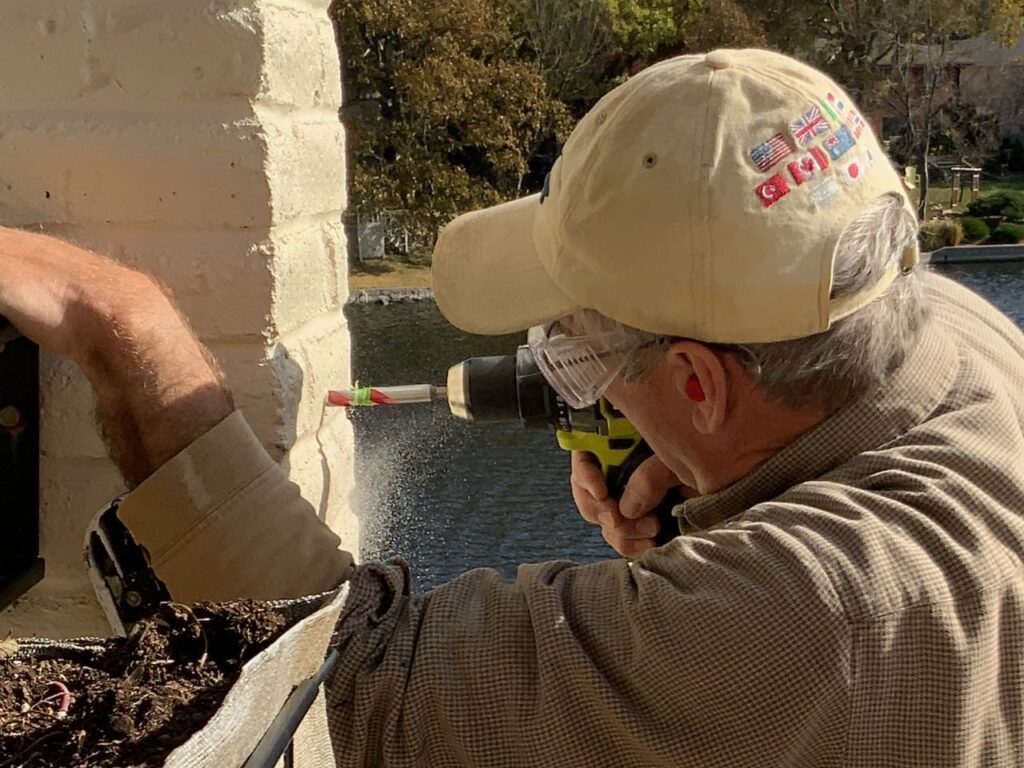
(627, 524)
(158, 388)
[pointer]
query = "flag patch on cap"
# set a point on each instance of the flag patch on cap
(808, 165)
(836, 104)
(771, 191)
(856, 123)
(768, 154)
(807, 126)
(853, 172)
(824, 192)
(839, 143)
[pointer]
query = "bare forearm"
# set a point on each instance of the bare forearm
(158, 388)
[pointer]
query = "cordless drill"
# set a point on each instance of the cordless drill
(510, 387)
(507, 388)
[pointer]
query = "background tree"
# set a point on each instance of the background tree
(443, 113)
(573, 45)
(920, 70)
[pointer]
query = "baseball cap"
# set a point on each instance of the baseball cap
(702, 198)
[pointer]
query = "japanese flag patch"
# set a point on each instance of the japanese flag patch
(808, 166)
(853, 171)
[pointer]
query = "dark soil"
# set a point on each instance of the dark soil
(134, 702)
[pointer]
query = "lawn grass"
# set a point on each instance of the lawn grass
(388, 273)
(939, 194)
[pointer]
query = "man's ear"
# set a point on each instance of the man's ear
(700, 377)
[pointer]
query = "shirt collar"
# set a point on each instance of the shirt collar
(913, 392)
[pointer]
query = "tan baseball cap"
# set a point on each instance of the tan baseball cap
(702, 198)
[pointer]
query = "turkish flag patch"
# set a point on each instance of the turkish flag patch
(771, 191)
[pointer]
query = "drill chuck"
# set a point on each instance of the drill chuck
(505, 388)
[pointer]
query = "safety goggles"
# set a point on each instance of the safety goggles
(581, 366)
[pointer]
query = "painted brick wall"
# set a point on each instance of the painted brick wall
(198, 140)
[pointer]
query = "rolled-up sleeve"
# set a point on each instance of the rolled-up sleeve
(221, 521)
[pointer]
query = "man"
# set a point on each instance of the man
(723, 252)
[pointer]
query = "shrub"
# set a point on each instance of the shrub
(975, 230)
(1009, 204)
(940, 234)
(1007, 234)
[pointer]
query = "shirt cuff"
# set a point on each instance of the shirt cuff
(222, 521)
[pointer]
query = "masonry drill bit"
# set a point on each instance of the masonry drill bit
(358, 396)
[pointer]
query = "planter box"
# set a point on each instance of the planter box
(256, 698)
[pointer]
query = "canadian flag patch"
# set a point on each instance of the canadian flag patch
(808, 166)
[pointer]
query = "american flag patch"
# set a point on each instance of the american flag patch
(807, 126)
(768, 154)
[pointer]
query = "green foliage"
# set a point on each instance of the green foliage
(940, 234)
(1008, 203)
(1007, 234)
(443, 113)
(975, 230)
(644, 27)
(453, 105)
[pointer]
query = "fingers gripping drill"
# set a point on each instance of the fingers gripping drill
(508, 388)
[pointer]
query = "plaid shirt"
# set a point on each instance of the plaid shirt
(857, 600)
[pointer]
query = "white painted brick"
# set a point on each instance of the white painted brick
(305, 163)
(55, 613)
(256, 388)
(127, 54)
(73, 491)
(221, 280)
(198, 140)
(321, 351)
(205, 172)
(302, 67)
(311, 271)
(320, 463)
(67, 406)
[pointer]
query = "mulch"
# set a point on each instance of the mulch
(133, 702)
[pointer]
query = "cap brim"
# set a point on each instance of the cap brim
(488, 278)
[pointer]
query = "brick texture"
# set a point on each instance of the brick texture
(198, 141)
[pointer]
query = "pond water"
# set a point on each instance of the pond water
(449, 496)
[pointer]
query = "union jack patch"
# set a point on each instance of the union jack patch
(772, 151)
(808, 166)
(807, 126)
(839, 143)
(771, 191)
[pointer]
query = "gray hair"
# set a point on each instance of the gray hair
(858, 353)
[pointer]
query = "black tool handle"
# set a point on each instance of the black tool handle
(617, 478)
